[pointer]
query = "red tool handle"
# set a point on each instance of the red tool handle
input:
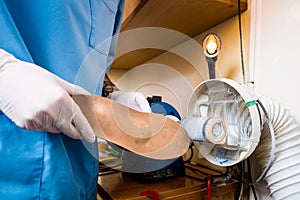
(152, 194)
(208, 187)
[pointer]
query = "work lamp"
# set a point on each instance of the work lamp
(211, 46)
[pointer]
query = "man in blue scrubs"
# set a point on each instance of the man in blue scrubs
(43, 46)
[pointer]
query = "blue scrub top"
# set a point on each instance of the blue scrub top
(72, 39)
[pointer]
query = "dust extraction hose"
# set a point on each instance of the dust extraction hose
(283, 176)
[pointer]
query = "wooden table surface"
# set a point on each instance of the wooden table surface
(120, 185)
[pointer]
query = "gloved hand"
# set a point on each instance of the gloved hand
(175, 119)
(35, 99)
(134, 100)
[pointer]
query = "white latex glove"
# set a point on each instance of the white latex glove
(172, 117)
(134, 100)
(35, 99)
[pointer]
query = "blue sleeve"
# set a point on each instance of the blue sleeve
(10, 39)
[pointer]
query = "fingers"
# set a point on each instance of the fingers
(175, 119)
(79, 127)
(134, 100)
(74, 124)
(75, 89)
(82, 125)
(142, 103)
(70, 88)
(69, 130)
(44, 122)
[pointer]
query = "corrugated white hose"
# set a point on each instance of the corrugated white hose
(283, 176)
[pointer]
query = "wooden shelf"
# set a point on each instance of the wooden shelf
(190, 17)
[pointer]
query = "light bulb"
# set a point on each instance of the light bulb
(211, 45)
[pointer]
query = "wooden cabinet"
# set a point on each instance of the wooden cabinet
(189, 17)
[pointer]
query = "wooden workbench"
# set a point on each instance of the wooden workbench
(120, 185)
